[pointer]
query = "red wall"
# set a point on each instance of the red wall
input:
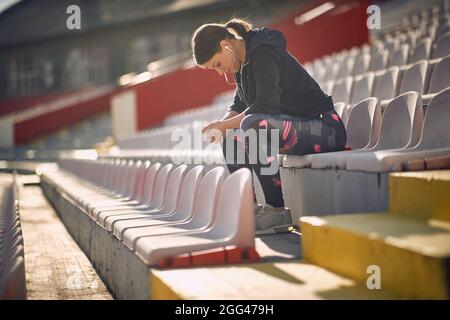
(17, 104)
(340, 28)
(177, 91)
(47, 123)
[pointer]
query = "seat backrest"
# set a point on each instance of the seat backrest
(149, 183)
(411, 39)
(362, 87)
(440, 78)
(363, 126)
(98, 174)
(414, 77)
(127, 176)
(188, 192)
(345, 68)
(421, 51)
(400, 56)
(374, 48)
(131, 178)
(385, 84)
(442, 47)
(120, 176)
(342, 111)
(169, 201)
(401, 123)
(234, 217)
(379, 60)
(207, 197)
(108, 171)
(444, 27)
(435, 133)
(138, 186)
(392, 44)
(430, 32)
(111, 178)
(342, 90)
(362, 63)
(330, 71)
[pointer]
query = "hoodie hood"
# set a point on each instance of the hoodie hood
(263, 36)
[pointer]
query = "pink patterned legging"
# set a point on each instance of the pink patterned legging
(297, 136)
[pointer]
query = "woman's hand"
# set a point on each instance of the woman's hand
(215, 131)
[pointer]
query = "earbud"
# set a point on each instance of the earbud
(234, 56)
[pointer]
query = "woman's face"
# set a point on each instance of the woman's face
(224, 61)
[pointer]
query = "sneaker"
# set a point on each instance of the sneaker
(270, 221)
(257, 208)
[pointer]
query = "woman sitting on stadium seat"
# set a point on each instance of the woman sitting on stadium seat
(274, 93)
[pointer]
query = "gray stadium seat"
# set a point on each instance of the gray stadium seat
(414, 77)
(345, 68)
(392, 44)
(342, 111)
(362, 63)
(379, 60)
(342, 90)
(385, 85)
(363, 129)
(362, 87)
(12, 264)
(400, 129)
(400, 56)
(442, 48)
(444, 27)
(440, 79)
(330, 71)
(430, 31)
(421, 51)
(434, 141)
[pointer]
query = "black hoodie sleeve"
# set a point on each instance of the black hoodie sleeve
(266, 72)
(237, 105)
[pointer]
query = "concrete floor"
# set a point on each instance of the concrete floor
(55, 266)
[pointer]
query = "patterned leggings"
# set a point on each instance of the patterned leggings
(297, 136)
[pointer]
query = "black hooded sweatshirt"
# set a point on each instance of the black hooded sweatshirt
(272, 81)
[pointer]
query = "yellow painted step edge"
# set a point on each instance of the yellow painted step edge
(350, 254)
(424, 195)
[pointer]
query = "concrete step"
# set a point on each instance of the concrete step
(284, 280)
(413, 255)
(424, 194)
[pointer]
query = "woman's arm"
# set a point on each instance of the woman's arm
(232, 120)
(229, 114)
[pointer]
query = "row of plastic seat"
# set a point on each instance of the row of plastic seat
(419, 17)
(208, 113)
(353, 64)
(385, 143)
(12, 263)
(432, 26)
(363, 122)
(424, 77)
(330, 65)
(162, 211)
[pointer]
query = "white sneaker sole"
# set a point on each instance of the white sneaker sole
(274, 230)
